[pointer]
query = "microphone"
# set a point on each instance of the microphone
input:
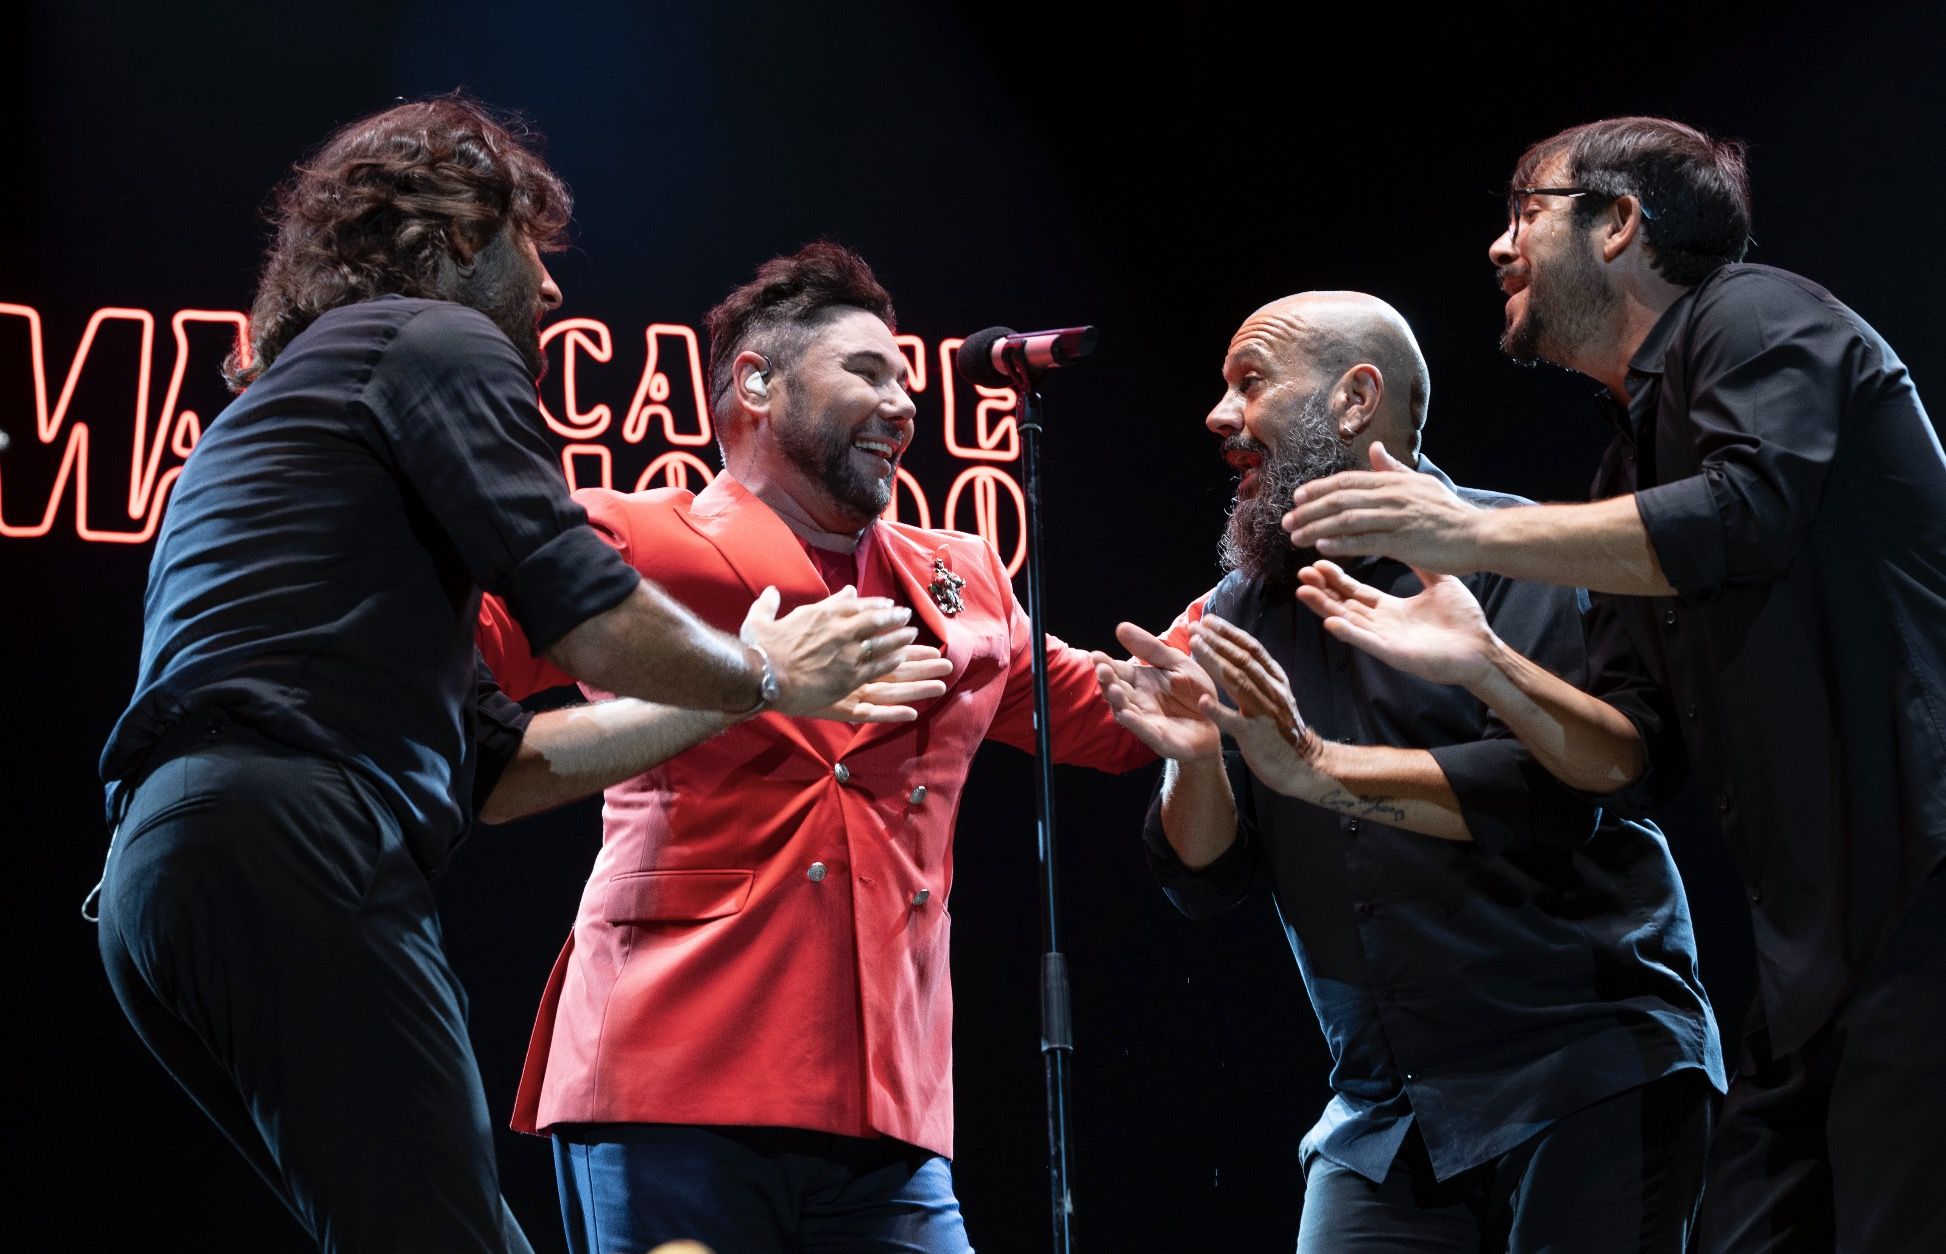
(992, 357)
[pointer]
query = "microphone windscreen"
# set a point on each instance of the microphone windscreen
(975, 358)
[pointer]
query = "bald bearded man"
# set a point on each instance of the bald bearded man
(1523, 1056)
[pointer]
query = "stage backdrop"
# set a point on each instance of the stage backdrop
(1159, 174)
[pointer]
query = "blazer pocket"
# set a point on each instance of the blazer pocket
(676, 896)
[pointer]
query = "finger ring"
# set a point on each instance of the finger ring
(868, 652)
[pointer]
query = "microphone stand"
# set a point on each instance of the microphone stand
(1057, 1023)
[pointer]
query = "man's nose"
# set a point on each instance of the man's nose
(903, 410)
(1501, 252)
(1227, 418)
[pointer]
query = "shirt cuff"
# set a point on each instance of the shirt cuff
(1686, 529)
(1510, 801)
(1208, 890)
(499, 727)
(564, 583)
(1646, 793)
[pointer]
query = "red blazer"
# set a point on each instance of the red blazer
(764, 938)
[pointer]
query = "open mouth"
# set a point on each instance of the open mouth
(885, 452)
(1249, 467)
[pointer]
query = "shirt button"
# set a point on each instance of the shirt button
(1756, 896)
(1722, 803)
(1691, 711)
(841, 773)
(815, 872)
(921, 897)
(918, 795)
(1365, 909)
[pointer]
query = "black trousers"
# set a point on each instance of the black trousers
(276, 947)
(1623, 1175)
(1837, 1145)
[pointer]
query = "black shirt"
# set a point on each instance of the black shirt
(318, 574)
(1483, 989)
(1795, 493)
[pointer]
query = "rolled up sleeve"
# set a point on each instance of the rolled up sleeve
(499, 725)
(1508, 799)
(453, 402)
(1766, 372)
(1618, 675)
(1212, 889)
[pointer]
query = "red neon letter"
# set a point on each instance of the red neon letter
(986, 482)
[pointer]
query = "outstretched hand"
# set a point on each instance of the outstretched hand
(1390, 510)
(1155, 696)
(1439, 634)
(821, 652)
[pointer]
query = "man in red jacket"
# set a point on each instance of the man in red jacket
(748, 1038)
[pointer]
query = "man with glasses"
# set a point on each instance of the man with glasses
(1766, 545)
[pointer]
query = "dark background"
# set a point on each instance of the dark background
(1160, 172)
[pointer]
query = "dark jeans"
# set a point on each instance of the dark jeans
(1623, 1175)
(627, 1187)
(274, 944)
(1836, 1146)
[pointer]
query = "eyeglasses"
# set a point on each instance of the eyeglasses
(1517, 203)
(1517, 198)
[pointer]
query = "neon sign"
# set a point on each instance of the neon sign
(621, 420)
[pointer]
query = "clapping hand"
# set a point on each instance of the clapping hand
(822, 653)
(1279, 749)
(1156, 694)
(1439, 634)
(919, 676)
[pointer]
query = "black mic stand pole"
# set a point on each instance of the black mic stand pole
(1057, 1023)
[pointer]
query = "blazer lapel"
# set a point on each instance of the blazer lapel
(911, 563)
(757, 544)
(763, 552)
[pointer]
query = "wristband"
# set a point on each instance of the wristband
(766, 684)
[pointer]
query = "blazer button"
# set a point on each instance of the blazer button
(921, 897)
(1668, 618)
(918, 795)
(841, 773)
(1351, 825)
(815, 872)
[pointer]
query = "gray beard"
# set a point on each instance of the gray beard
(1254, 540)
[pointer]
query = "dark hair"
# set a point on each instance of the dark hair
(1695, 188)
(775, 312)
(386, 205)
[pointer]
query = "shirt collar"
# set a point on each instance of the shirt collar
(1645, 368)
(1649, 357)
